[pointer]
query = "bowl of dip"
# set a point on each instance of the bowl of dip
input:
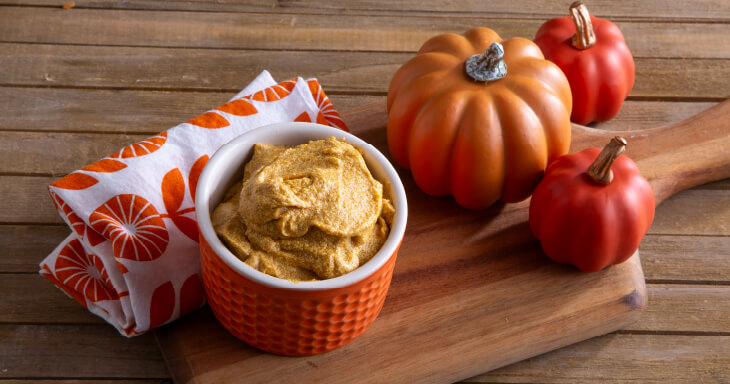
(259, 289)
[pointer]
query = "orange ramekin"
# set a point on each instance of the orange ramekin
(278, 315)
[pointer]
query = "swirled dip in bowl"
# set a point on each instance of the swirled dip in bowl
(340, 229)
(306, 212)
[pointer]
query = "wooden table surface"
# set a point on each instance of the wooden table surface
(78, 84)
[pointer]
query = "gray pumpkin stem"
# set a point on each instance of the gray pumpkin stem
(488, 65)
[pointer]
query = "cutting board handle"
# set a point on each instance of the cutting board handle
(674, 157)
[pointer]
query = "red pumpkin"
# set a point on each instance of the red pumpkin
(591, 210)
(478, 118)
(595, 58)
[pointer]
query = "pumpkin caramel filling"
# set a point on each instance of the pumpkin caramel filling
(302, 213)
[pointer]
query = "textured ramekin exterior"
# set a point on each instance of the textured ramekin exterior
(278, 315)
(292, 322)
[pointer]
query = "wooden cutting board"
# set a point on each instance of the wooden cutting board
(472, 290)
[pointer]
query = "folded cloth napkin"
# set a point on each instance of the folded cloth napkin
(132, 257)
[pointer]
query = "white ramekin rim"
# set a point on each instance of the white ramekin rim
(227, 163)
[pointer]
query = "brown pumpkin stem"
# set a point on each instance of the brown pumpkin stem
(584, 36)
(600, 171)
(488, 65)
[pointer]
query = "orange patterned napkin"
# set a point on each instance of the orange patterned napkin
(132, 257)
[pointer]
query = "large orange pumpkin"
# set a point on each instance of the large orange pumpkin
(480, 141)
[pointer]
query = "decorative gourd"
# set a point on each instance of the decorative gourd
(477, 117)
(591, 210)
(594, 56)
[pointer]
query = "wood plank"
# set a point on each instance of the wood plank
(320, 32)
(618, 9)
(635, 114)
(692, 212)
(25, 200)
(223, 70)
(675, 258)
(680, 308)
(695, 211)
(87, 381)
(149, 112)
(29, 152)
(625, 358)
(31, 298)
(686, 258)
(659, 78)
(24, 246)
(77, 351)
(57, 153)
(218, 70)
(720, 184)
(672, 308)
(652, 358)
(649, 359)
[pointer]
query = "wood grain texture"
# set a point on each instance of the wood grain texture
(86, 381)
(24, 246)
(149, 112)
(56, 154)
(682, 308)
(686, 258)
(414, 330)
(230, 70)
(454, 271)
(31, 298)
(709, 211)
(697, 309)
(712, 10)
(676, 157)
(190, 69)
(322, 32)
(70, 151)
(193, 60)
(671, 218)
(76, 351)
(624, 358)
(25, 200)
(679, 258)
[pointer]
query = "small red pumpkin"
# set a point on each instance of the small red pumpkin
(595, 58)
(591, 210)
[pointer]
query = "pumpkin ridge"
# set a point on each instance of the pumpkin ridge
(455, 137)
(498, 110)
(526, 50)
(530, 62)
(628, 226)
(433, 91)
(450, 43)
(489, 191)
(605, 109)
(479, 35)
(405, 76)
(607, 31)
(407, 115)
(548, 231)
(593, 235)
(523, 88)
(421, 129)
(512, 142)
(587, 64)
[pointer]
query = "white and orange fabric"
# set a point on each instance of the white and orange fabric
(132, 257)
